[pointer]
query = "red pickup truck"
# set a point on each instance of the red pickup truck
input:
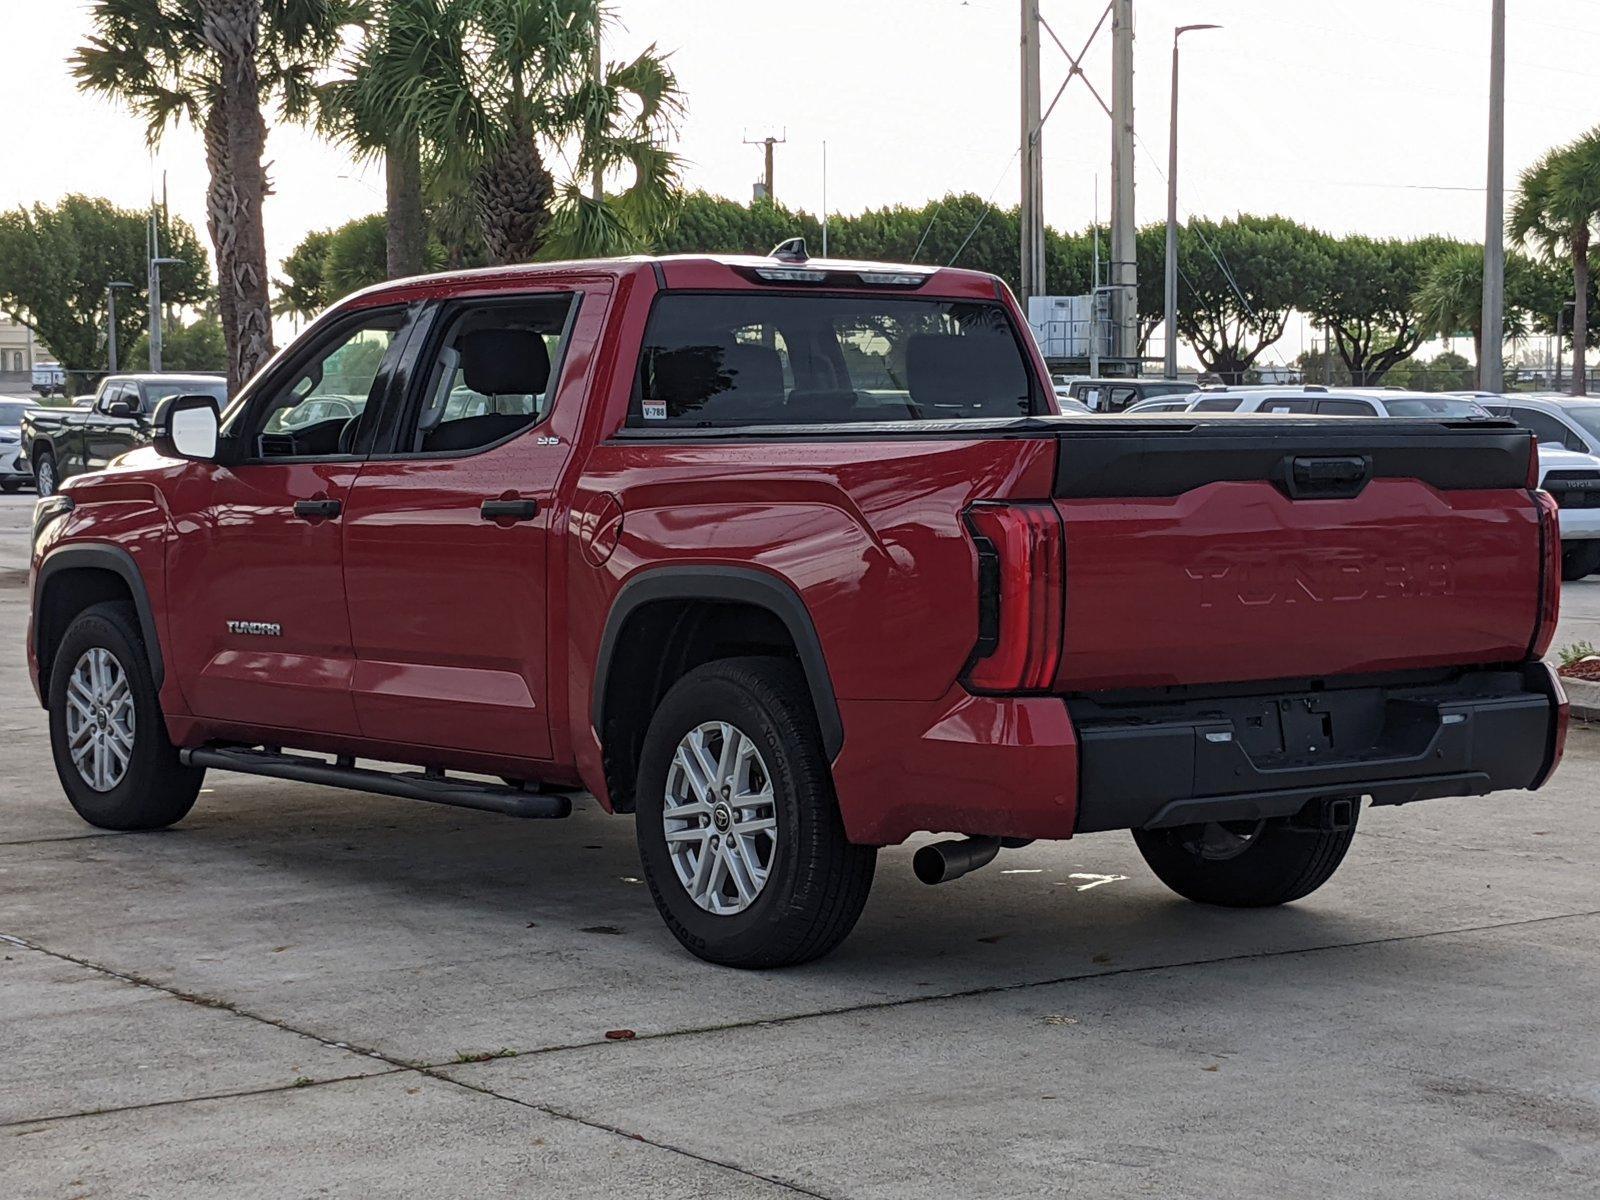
(792, 559)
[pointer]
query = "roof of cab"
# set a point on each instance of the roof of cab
(687, 271)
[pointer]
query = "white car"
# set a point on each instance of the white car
(1336, 402)
(15, 472)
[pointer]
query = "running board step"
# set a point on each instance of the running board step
(435, 788)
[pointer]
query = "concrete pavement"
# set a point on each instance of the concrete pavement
(287, 993)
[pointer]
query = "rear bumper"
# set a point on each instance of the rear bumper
(1580, 524)
(1150, 762)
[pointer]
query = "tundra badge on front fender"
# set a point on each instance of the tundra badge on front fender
(256, 628)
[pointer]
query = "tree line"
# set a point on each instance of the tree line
(1240, 279)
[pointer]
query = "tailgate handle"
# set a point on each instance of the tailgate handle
(1337, 477)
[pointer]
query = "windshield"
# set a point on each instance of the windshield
(1434, 406)
(1586, 415)
(764, 358)
(11, 412)
(154, 393)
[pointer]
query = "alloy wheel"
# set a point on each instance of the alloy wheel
(100, 719)
(721, 818)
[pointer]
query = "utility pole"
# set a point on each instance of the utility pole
(1124, 245)
(824, 197)
(1491, 372)
(1032, 277)
(768, 142)
(111, 323)
(1172, 211)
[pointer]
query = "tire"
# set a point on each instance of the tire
(153, 789)
(1245, 864)
(815, 883)
(1579, 559)
(10, 489)
(45, 479)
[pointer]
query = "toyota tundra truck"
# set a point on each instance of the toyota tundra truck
(791, 559)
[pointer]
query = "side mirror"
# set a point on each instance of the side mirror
(186, 427)
(119, 408)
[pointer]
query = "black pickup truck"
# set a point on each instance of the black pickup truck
(62, 442)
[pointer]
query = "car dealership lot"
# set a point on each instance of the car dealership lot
(275, 998)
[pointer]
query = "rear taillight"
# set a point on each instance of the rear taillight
(1549, 574)
(1021, 590)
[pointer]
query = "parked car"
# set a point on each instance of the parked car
(59, 443)
(691, 554)
(1336, 402)
(1571, 426)
(1572, 423)
(14, 471)
(1160, 404)
(1067, 404)
(1115, 395)
(49, 379)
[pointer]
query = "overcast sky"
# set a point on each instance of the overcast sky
(1363, 115)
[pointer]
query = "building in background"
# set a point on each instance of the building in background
(18, 351)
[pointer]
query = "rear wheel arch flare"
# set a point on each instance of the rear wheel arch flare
(687, 616)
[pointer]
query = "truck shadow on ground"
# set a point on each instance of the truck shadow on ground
(331, 867)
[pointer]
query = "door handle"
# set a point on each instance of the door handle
(310, 510)
(509, 510)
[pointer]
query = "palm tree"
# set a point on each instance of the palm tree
(1556, 211)
(1449, 299)
(212, 64)
(496, 89)
(394, 46)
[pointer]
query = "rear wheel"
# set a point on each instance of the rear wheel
(1579, 559)
(1245, 864)
(45, 478)
(106, 731)
(739, 831)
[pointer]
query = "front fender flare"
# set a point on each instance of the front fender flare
(99, 556)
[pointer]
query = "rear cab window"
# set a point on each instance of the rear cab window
(757, 358)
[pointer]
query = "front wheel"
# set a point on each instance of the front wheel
(1579, 559)
(106, 731)
(739, 831)
(9, 487)
(1245, 864)
(45, 478)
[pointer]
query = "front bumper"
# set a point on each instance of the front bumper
(1156, 762)
(14, 464)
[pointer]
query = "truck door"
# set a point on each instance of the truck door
(112, 426)
(447, 537)
(256, 566)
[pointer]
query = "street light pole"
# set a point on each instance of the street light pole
(1171, 371)
(155, 308)
(111, 323)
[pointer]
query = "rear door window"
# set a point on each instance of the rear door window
(1286, 404)
(1547, 429)
(761, 358)
(1218, 404)
(1346, 408)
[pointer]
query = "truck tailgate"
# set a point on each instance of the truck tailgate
(1243, 549)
